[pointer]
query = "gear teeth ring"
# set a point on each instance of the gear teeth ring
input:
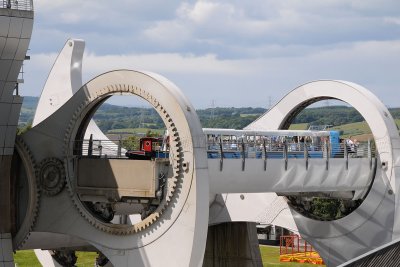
(29, 222)
(175, 146)
(51, 174)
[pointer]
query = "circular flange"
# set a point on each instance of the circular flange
(176, 149)
(51, 175)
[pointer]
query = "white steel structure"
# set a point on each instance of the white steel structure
(157, 212)
(241, 186)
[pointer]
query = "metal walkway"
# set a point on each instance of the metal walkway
(288, 162)
(256, 162)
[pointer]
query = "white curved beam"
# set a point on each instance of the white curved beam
(263, 208)
(377, 220)
(46, 259)
(64, 80)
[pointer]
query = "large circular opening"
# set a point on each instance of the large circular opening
(124, 171)
(349, 140)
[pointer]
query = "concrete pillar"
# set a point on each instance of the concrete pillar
(232, 244)
(6, 249)
(5, 194)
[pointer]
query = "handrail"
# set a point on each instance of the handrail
(221, 162)
(263, 150)
(306, 156)
(260, 149)
(327, 156)
(238, 149)
(110, 148)
(265, 154)
(243, 156)
(26, 5)
(285, 154)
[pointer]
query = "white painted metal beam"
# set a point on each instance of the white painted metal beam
(253, 179)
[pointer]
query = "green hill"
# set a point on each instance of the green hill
(356, 128)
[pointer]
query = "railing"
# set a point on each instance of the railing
(238, 149)
(109, 148)
(100, 148)
(26, 5)
(265, 150)
(295, 249)
(291, 244)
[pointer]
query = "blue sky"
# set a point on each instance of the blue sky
(237, 53)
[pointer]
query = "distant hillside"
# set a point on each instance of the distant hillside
(112, 118)
(28, 110)
(335, 115)
(233, 118)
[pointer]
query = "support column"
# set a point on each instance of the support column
(6, 249)
(232, 244)
(5, 194)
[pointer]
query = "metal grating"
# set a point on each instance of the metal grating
(387, 255)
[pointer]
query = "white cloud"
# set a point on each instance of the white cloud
(226, 28)
(70, 12)
(249, 82)
(204, 12)
(392, 20)
(258, 47)
(163, 63)
(168, 33)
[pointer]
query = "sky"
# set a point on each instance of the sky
(228, 52)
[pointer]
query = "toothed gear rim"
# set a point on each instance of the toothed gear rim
(34, 194)
(176, 149)
(51, 176)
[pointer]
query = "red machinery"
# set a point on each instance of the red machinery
(149, 148)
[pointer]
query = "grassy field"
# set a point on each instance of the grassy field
(351, 129)
(299, 126)
(358, 130)
(354, 129)
(250, 115)
(27, 258)
(270, 257)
